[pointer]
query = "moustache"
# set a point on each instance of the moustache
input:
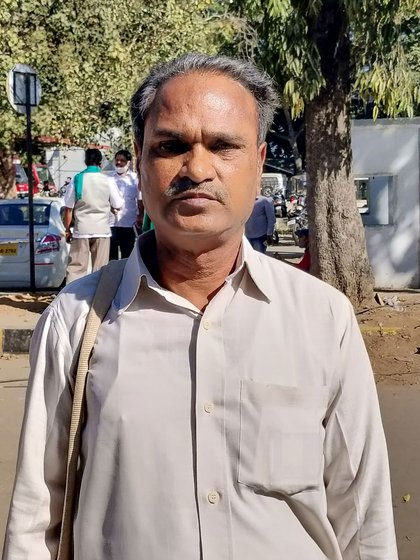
(182, 186)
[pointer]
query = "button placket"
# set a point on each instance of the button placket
(213, 502)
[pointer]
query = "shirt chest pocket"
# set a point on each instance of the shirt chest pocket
(281, 437)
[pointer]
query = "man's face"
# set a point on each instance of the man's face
(303, 241)
(200, 163)
(120, 161)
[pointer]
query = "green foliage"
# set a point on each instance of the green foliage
(310, 45)
(91, 54)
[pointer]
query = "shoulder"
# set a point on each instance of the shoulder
(108, 177)
(108, 181)
(111, 179)
(303, 295)
(71, 307)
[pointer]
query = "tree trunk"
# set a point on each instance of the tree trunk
(7, 177)
(337, 237)
(292, 139)
(337, 241)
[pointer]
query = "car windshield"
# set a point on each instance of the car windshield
(44, 174)
(18, 214)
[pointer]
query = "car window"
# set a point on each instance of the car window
(18, 214)
(20, 174)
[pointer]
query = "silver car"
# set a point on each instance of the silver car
(51, 249)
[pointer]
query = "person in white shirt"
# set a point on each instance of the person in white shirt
(122, 223)
(88, 200)
(198, 441)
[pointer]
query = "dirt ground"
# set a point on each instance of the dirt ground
(22, 310)
(392, 335)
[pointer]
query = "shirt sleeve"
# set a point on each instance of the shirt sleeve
(38, 496)
(356, 470)
(115, 198)
(69, 196)
(271, 216)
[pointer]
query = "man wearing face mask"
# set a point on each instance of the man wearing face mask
(122, 222)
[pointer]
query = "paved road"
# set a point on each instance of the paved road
(13, 378)
(400, 411)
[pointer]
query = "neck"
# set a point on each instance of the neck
(196, 277)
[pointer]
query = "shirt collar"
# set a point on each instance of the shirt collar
(257, 269)
(135, 270)
(92, 169)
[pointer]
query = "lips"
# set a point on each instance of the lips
(194, 195)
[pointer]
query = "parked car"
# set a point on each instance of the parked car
(21, 179)
(51, 249)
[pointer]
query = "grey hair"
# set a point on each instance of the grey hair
(257, 82)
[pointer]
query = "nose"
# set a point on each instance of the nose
(198, 165)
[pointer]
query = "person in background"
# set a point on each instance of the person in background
(46, 188)
(260, 225)
(124, 221)
(89, 199)
(65, 186)
(303, 243)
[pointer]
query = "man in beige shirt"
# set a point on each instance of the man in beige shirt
(199, 442)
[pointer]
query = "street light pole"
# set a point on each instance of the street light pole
(30, 182)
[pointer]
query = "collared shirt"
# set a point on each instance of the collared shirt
(128, 187)
(207, 437)
(262, 219)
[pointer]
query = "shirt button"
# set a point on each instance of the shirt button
(213, 497)
(209, 407)
(206, 325)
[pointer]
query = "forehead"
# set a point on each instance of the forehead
(213, 102)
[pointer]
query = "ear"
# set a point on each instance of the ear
(261, 154)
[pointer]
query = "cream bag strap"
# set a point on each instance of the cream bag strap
(109, 281)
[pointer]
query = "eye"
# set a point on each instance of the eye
(223, 147)
(172, 147)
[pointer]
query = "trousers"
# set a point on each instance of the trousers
(97, 248)
(122, 240)
(259, 243)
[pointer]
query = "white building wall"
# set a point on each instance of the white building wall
(64, 162)
(391, 148)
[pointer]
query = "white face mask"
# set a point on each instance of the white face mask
(121, 170)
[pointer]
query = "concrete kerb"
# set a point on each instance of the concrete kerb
(15, 341)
